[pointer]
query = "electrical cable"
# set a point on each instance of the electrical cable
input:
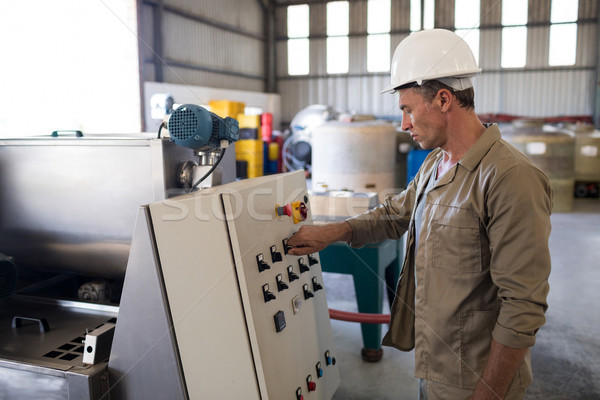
(162, 124)
(210, 171)
(365, 318)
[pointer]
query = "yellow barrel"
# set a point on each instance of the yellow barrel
(250, 151)
(226, 108)
(553, 151)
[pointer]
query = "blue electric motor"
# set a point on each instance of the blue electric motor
(195, 127)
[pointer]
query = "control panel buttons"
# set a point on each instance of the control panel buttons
(302, 265)
(262, 264)
(286, 210)
(299, 394)
(267, 294)
(281, 285)
(297, 210)
(296, 304)
(292, 276)
(286, 246)
(316, 285)
(275, 255)
(279, 319)
(319, 370)
(329, 360)
(307, 293)
(312, 385)
(312, 260)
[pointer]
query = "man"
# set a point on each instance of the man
(472, 292)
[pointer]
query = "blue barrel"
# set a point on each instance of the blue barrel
(414, 160)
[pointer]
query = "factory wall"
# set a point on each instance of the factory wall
(536, 90)
(203, 43)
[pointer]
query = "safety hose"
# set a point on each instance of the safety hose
(364, 318)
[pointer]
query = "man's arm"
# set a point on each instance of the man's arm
(311, 239)
(499, 372)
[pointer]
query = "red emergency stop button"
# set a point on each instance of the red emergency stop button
(299, 394)
(283, 210)
(297, 210)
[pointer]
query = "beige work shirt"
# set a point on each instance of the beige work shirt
(482, 265)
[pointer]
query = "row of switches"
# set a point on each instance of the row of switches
(281, 285)
(263, 265)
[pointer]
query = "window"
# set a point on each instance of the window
(337, 37)
(425, 21)
(298, 48)
(466, 23)
(77, 63)
(514, 33)
(563, 32)
(378, 39)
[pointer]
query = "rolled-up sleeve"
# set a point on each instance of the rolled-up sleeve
(389, 220)
(518, 229)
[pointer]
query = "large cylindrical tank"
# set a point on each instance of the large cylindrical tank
(356, 156)
(553, 151)
(587, 160)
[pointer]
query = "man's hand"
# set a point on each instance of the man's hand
(500, 370)
(311, 239)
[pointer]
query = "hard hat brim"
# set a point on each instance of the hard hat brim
(468, 74)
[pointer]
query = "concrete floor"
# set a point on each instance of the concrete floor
(566, 357)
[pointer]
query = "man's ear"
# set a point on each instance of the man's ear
(444, 98)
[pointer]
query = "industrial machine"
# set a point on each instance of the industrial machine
(202, 301)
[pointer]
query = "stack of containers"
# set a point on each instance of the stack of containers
(271, 145)
(553, 151)
(249, 148)
(587, 161)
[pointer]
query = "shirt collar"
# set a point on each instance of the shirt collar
(473, 156)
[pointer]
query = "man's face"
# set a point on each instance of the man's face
(422, 119)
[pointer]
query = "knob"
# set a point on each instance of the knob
(303, 266)
(312, 260)
(262, 264)
(275, 255)
(291, 275)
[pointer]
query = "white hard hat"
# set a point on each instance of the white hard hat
(433, 54)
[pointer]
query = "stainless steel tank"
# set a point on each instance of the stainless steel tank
(69, 204)
(356, 156)
(552, 150)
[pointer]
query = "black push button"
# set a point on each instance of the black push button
(307, 293)
(302, 265)
(262, 264)
(267, 294)
(281, 285)
(286, 247)
(312, 260)
(275, 255)
(291, 274)
(316, 285)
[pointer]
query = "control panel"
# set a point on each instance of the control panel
(285, 293)
(245, 318)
